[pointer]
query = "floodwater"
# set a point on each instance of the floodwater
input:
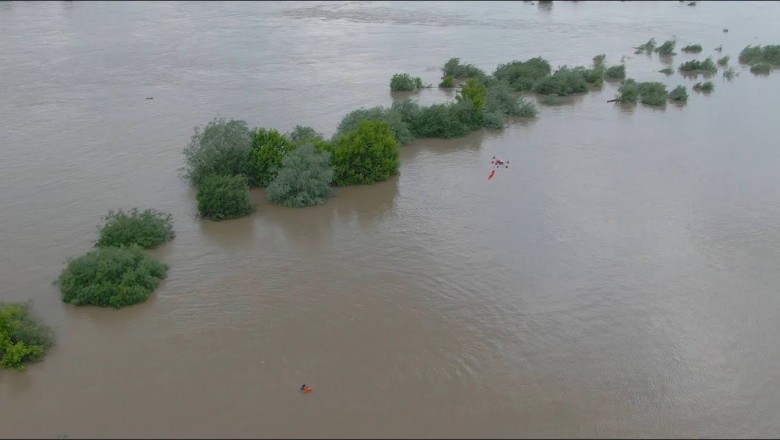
(619, 279)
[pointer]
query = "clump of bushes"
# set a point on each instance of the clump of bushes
(397, 124)
(650, 93)
(475, 92)
(222, 197)
(403, 82)
(679, 94)
(303, 180)
(454, 68)
(730, 73)
(667, 71)
(147, 229)
(616, 72)
(447, 82)
(704, 87)
(265, 156)
(724, 61)
(522, 75)
(23, 338)
(667, 48)
(646, 47)
(692, 48)
(365, 155)
(111, 277)
(563, 82)
(760, 68)
(696, 66)
(499, 99)
(769, 54)
(629, 92)
(221, 147)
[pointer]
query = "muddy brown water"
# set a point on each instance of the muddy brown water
(619, 279)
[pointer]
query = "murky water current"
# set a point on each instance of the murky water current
(620, 279)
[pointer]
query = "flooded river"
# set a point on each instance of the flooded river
(619, 279)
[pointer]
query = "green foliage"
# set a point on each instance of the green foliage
(303, 180)
(525, 108)
(500, 99)
(406, 109)
(23, 338)
(760, 68)
(494, 120)
(646, 47)
(706, 66)
(704, 87)
(563, 82)
(224, 197)
(448, 82)
(629, 91)
(453, 68)
(724, 61)
(367, 154)
(403, 82)
(667, 71)
(598, 60)
(111, 277)
(653, 93)
(730, 73)
(593, 76)
(769, 54)
(679, 93)
(551, 100)
(474, 92)
(265, 156)
(394, 119)
(522, 75)
(221, 147)
(667, 48)
(616, 72)
(302, 134)
(147, 229)
(692, 48)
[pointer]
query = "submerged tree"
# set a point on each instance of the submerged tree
(23, 338)
(367, 154)
(221, 147)
(304, 178)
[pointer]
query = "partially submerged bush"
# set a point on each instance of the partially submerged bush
(696, 66)
(23, 339)
(629, 91)
(224, 197)
(616, 72)
(769, 54)
(437, 121)
(220, 147)
(692, 48)
(474, 92)
(653, 93)
(551, 100)
(448, 82)
(730, 73)
(303, 180)
(667, 48)
(704, 87)
(147, 229)
(453, 68)
(679, 93)
(646, 47)
(667, 71)
(598, 60)
(403, 82)
(522, 75)
(563, 82)
(111, 277)
(265, 155)
(760, 68)
(724, 61)
(500, 99)
(594, 77)
(394, 119)
(494, 120)
(365, 155)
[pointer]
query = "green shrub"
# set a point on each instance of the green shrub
(522, 75)
(494, 120)
(224, 197)
(646, 47)
(525, 108)
(679, 93)
(147, 229)
(219, 148)
(667, 48)
(706, 66)
(760, 68)
(394, 119)
(448, 82)
(23, 338)
(437, 121)
(403, 82)
(616, 72)
(769, 54)
(265, 156)
(653, 93)
(563, 82)
(301, 134)
(406, 109)
(453, 68)
(629, 91)
(474, 92)
(303, 180)
(704, 87)
(598, 60)
(724, 61)
(501, 99)
(467, 113)
(667, 71)
(551, 100)
(111, 277)
(730, 73)
(692, 48)
(593, 76)
(367, 154)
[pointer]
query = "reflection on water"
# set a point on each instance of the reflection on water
(617, 280)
